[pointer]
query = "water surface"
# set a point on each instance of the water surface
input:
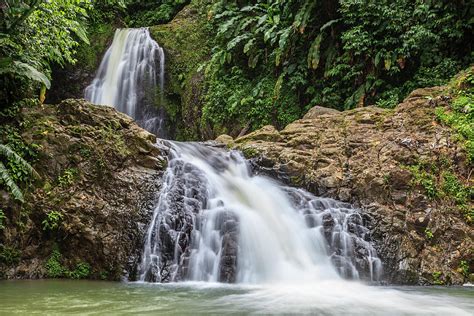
(58, 297)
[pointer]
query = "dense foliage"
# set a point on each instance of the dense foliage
(147, 13)
(274, 59)
(34, 34)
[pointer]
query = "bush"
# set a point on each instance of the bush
(54, 268)
(9, 255)
(52, 220)
(82, 271)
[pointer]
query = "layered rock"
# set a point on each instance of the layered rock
(101, 173)
(370, 157)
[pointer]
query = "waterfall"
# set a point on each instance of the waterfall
(127, 79)
(215, 221)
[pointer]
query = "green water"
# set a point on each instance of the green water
(325, 298)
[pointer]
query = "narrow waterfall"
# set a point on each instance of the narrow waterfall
(217, 222)
(129, 74)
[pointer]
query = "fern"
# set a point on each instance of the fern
(5, 176)
(8, 181)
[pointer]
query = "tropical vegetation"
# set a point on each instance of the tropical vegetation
(274, 59)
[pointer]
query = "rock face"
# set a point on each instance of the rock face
(389, 162)
(101, 173)
(186, 43)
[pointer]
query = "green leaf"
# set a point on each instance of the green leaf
(8, 153)
(8, 181)
(80, 31)
(328, 24)
(378, 56)
(236, 41)
(31, 73)
(277, 88)
(253, 60)
(314, 52)
(249, 45)
(5, 62)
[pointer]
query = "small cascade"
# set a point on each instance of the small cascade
(348, 240)
(129, 74)
(217, 222)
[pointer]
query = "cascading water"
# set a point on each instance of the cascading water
(215, 221)
(127, 79)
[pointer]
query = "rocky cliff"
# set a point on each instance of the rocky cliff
(401, 166)
(99, 175)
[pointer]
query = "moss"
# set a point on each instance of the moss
(186, 43)
(460, 113)
(111, 137)
(440, 182)
(249, 152)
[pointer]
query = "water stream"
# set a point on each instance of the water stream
(132, 70)
(217, 222)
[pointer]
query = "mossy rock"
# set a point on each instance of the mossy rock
(186, 43)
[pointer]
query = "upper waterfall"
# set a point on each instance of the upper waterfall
(216, 221)
(129, 74)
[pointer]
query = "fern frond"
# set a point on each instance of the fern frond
(7, 152)
(8, 181)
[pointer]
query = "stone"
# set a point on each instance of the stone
(317, 111)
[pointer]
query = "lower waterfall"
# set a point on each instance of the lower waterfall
(217, 222)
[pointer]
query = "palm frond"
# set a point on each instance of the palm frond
(7, 179)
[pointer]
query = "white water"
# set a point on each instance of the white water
(127, 78)
(221, 223)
